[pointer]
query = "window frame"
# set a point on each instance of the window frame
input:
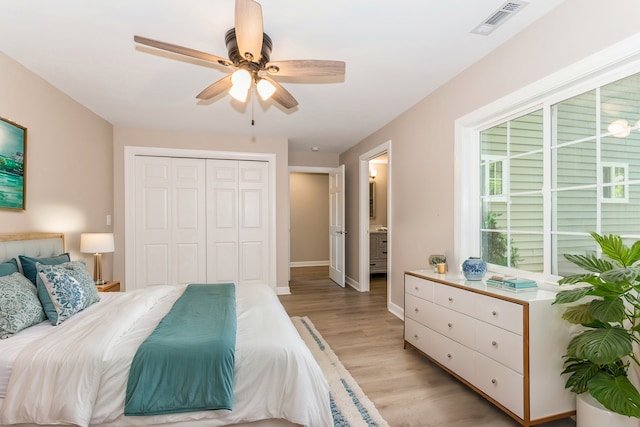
(616, 62)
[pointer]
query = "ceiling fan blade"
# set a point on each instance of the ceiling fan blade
(216, 88)
(182, 50)
(305, 68)
(281, 95)
(248, 21)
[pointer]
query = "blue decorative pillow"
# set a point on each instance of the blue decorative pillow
(29, 264)
(19, 305)
(9, 267)
(65, 289)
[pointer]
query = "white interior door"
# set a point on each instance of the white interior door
(237, 221)
(253, 231)
(222, 221)
(170, 245)
(336, 225)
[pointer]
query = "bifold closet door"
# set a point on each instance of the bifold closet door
(237, 221)
(170, 221)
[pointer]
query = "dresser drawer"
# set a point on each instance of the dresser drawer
(417, 335)
(418, 309)
(507, 315)
(418, 287)
(457, 326)
(453, 355)
(499, 382)
(500, 345)
(455, 299)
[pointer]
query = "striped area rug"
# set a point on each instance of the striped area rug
(350, 406)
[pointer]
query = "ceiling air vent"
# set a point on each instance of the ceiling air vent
(498, 17)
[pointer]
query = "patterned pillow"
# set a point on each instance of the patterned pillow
(65, 289)
(19, 305)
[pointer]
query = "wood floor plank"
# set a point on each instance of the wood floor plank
(408, 390)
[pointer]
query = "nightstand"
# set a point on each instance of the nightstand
(111, 286)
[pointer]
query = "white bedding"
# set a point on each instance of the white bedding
(53, 382)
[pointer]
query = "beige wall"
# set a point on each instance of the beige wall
(311, 159)
(69, 161)
(309, 199)
(199, 141)
(423, 137)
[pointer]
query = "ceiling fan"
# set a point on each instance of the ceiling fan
(249, 51)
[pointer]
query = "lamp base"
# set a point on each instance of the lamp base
(97, 269)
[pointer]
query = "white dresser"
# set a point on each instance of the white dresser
(506, 346)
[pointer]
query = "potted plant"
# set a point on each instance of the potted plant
(434, 260)
(599, 356)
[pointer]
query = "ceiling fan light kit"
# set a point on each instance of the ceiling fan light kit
(249, 56)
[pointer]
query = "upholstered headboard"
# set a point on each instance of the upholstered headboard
(30, 244)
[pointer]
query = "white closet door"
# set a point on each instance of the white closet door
(222, 221)
(253, 232)
(170, 220)
(188, 221)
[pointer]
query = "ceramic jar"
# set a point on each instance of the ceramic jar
(474, 268)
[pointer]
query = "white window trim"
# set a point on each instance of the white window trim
(617, 61)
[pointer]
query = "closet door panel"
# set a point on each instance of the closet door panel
(152, 221)
(253, 233)
(156, 264)
(188, 213)
(222, 221)
(170, 221)
(225, 257)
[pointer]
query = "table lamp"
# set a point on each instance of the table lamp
(97, 244)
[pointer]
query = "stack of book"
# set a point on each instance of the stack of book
(513, 284)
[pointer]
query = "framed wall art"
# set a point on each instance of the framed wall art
(13, 148)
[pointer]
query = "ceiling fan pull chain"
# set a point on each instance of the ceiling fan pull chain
(253, 97)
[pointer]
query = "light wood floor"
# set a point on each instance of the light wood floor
(407, 389)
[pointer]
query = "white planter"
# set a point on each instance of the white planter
(590, 413)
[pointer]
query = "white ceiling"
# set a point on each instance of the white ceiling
(396, 53)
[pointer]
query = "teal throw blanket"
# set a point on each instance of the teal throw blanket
(187, 363)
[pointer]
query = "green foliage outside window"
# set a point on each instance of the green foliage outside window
(494, 244)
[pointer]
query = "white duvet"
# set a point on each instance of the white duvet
(77, 373)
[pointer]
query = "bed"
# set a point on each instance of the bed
(76, 372)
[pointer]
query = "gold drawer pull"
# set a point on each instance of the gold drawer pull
(494, 313)
(449, 355)
(494, 381)
(450, 299)
(417, 288)
(450, 325)
(494, 343)
(415, 336)
(416, 310)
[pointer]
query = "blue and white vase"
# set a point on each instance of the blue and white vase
(474, 268)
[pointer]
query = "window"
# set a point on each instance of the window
(614, 186)
(550, 175)
(494, 184)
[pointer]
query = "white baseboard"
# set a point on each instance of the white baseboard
(309, 263)
(396, 310)
(283, 290)
(353, 283)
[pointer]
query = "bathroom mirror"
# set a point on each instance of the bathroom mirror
(372, 200)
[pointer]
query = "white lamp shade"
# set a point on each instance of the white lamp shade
(96, 243)
(241, 79)
(239, 93)
(265, 89)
